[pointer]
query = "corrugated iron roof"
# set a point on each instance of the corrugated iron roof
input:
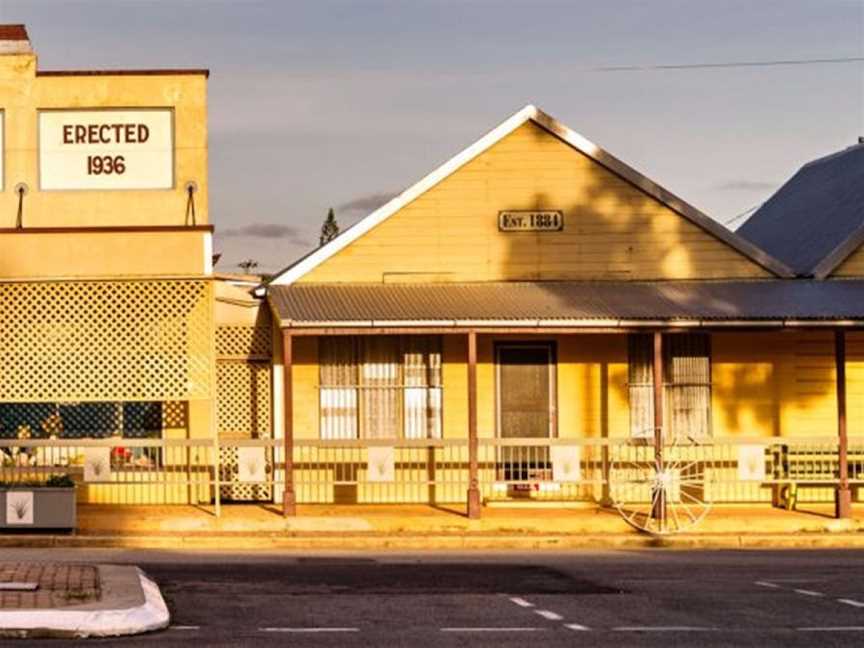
(301, 304)
(811, 215)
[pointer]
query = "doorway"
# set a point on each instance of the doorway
(526, 406)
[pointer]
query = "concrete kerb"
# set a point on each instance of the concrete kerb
(130, 604)
(411, 542)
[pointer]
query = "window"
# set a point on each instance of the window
(380, 387)
(87, 420)
(687, 389)
(83, 420)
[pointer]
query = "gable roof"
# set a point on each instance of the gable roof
(531, 113)
(815, 220)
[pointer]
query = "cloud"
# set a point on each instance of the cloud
(747, 185)
(368, 202)
(266, 231)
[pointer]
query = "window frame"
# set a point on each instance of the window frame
(402, 386)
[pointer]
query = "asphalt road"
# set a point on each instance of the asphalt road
(627, 598)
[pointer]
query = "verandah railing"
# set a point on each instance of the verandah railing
(184, 471)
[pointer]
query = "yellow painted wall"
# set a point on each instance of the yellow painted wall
(763, 384)
(23, 92)
(306, 381)
(783, 384)
(236, 306)
(37, 255)
(591, 381)
(612, 230)
(853, 266)
(771, 384)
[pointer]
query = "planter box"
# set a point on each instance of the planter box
(37, 508)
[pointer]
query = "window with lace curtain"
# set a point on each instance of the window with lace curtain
(686, 389)
(380, 387)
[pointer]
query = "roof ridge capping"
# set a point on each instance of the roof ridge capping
(830, 156)
(530, 112)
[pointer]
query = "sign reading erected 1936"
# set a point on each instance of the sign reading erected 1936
(530, 221)
(106, 149)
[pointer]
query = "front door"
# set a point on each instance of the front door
(526, 388)
(524, 391)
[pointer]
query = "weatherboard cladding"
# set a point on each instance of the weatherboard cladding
(310, 261)
(820, 207)
(503, 301)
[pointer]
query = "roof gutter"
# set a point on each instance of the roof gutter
(566, 324)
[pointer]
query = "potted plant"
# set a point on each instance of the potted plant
(48, 504)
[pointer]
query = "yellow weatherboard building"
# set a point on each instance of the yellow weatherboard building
(106, 282)
(533, 320)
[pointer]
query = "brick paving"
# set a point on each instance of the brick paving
(60, 585)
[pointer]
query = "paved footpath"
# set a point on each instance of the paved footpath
(58, 585)
(414, 527)
(632, 598)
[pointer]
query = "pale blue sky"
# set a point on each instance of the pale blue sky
(323, 103)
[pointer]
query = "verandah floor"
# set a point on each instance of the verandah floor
(143, 520)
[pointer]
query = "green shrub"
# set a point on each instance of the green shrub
(54, 481)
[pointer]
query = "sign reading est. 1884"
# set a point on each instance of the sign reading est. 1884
(106, 149)
(530, 221)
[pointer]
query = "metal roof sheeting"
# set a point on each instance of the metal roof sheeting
(811, 215)
(510, 302)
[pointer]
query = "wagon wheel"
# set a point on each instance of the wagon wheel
(660, 497)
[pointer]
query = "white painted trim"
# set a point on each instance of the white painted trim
(412, 193)
(582, 144)
(208, 253)
(277, 380)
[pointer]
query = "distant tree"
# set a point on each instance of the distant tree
(248, 265)
(330, 228)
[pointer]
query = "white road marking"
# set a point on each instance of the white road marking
(549, 614)
(522, 602)
(851, 602)
(834, 629)
(808, 592)
(184, 627)
(308, 629)
(512, 629)
(662, 629)
(576, 626)
(767, 584)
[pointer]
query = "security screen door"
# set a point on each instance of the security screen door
(525, 407)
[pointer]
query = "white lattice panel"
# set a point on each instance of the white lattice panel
(106, 340)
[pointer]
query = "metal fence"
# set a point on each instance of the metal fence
(192, 471)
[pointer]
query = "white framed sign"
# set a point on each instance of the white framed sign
(527, 220)
(106, 149)
(19, 507)
(381, 464)
(97, 464)
(565, 463)
(251, 465)
(751, 463)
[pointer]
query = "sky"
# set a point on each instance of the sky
(341, 104)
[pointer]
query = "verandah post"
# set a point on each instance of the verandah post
(473, 479)
(842, 496)
(658, 497)
(289, 502)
